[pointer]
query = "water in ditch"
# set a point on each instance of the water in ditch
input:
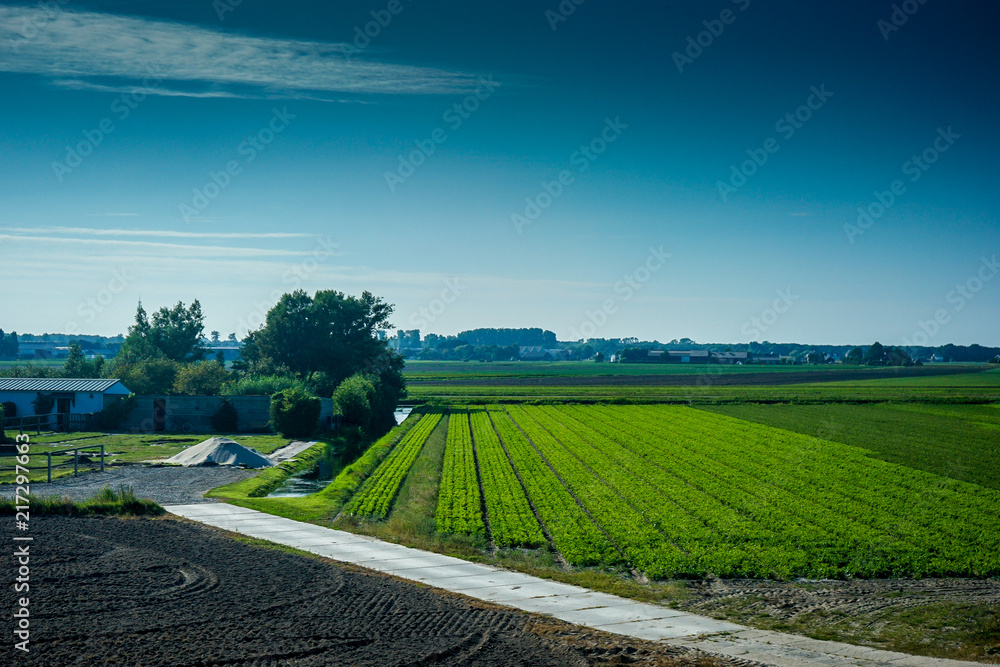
(307, 482)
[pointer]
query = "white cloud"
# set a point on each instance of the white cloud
(137, 248)
(89, 231)
(109, 52)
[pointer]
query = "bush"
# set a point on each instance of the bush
(204, 378)
(115, 413)
(294, 413)
(10, 409)
(353, 401)
(3, 433)
(225, 418)
(261, 385)
(43, 404)
(152, 376)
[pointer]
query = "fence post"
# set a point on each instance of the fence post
(76, 461)
(49, 455)
(102, 458)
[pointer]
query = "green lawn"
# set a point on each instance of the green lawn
(957, 441)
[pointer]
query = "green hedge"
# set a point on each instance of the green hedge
(350, 478)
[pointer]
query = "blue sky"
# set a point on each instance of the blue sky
(659, 170)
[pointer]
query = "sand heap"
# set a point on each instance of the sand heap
(221, 452)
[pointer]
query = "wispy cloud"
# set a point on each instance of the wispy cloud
(136, 248)
(109, 52)
(164, 233)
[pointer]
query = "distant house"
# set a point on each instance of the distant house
(767, 358)
(535, 353)
(539, 353)
(689, 356)
(730, 357)
(62, 396)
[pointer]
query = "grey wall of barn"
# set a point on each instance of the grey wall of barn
(193, 414)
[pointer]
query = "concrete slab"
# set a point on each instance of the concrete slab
(445, 572)
(601, 616)
(509, 595)
(412, 562)
(569, 603)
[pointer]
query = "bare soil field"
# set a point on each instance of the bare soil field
(164, 592)
(958, 616)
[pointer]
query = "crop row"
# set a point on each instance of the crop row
(511, 520)
(459, 507)
(376, 496)
(713, 536)
(573, 533)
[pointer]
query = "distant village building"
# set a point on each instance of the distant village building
(539, 353)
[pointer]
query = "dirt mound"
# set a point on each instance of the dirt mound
(162, 592)
(221, 452)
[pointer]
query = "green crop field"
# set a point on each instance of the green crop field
(375, 497)
(457, 383)
(679, 492)
(957, 441)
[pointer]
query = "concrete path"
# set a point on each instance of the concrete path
(290, 450)
(563, 601)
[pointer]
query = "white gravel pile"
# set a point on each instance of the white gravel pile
(221, 452)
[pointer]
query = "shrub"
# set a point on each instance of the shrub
(204, 378)
(294, 413)
(353, 401)
(261, 385)
(114, 413)
(225, 418)
(3, 433)
(152, 376)
(9, 409)
(43, 404)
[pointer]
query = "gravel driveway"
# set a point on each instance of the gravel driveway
(166, 485)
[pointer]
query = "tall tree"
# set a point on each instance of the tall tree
(177, 331)
(329, 333)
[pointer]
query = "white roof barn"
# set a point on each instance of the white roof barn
(68, 395)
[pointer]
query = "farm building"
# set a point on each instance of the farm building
(193, 414)
(26, 397)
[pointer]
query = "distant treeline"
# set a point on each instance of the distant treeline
(507, 337)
